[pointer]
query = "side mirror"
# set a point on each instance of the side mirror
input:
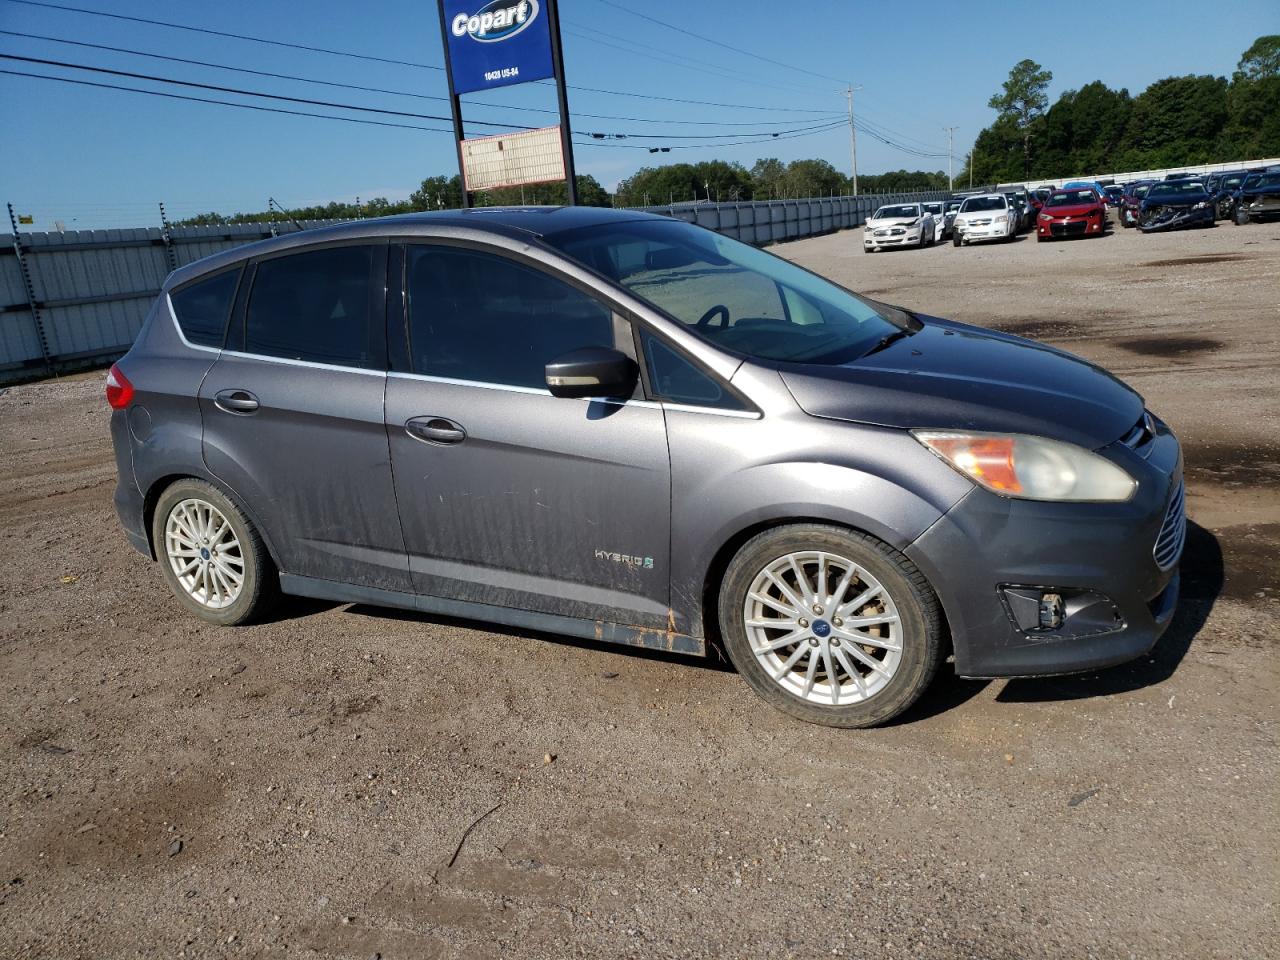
(592, 372)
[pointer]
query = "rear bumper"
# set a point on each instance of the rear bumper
(128, 500)
(988, 547)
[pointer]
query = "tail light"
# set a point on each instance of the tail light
(119, 389)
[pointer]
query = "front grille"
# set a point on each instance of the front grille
(1173, 532)
(1068, 229)
(979, 223)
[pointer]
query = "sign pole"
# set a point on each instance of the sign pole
(562, 96)
(455, 103)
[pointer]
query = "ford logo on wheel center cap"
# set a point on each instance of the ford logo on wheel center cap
(821, 628)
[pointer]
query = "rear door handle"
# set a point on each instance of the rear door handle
(236, 401)
(435, 430)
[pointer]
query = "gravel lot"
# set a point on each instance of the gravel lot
(169, 788)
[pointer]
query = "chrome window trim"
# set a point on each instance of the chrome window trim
(310, 364)
(534, 391)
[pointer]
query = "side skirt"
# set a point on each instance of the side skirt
(603, 630)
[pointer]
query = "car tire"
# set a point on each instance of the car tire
(1240, 217)
(907, 651)
(196, 523)
(955, 240)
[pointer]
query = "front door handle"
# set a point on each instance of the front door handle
(236, 401)
(435, 430)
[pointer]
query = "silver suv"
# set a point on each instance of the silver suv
(627, 428)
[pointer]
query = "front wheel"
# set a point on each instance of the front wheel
(955, 239)
(830, 626)
(211, 556)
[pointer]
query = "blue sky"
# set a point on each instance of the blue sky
(92, 157)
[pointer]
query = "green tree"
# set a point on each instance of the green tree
(590, 194)
(1175, 121)
(813, 178)
(438, 193)
(766, 177)
(685, 183)
(1023, 101)
(1260, 61)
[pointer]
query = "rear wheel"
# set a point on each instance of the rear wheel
(830, 626)
(211, 556)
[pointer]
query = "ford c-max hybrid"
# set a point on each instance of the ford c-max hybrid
(624, 427)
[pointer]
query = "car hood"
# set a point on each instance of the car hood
(981, 214)
(1148, 202)
(1075, 210)
(953, 376)
(893, 222)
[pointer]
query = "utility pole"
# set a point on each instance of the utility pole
(951, 180)
(849, 91)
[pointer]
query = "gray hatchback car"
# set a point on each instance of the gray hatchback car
(623, 427)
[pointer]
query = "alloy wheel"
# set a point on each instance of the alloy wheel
(823, 628)
(204, 553)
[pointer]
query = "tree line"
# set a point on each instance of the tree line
(1173, 122)
(715, 180)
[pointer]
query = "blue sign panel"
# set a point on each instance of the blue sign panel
(496, 44)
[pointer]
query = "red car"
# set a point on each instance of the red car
(1077, 212)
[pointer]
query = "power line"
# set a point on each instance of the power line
(407, 63)
(352, 86)
(740, 143)
(380, 123)
(686, 63)
(226, 103)
(687, 32)
(224, 33)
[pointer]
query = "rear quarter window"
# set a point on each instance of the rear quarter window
(203, 307)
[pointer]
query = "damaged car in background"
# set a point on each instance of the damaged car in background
(1258, 197)
(1174, 204)
(899, 225)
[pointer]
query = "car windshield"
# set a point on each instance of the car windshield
(1176, 190)
(1141, 189)
(1230, 183)
(953, 205)
(885, 213)
(1070, 198)
(983, 203)
(730, 293)
(933, 207)
(1267, 180)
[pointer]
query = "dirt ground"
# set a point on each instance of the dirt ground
(305, 787)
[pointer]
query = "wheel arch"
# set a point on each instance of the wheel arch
(151, 498)
(714, 575)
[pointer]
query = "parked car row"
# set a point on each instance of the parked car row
(1078, 209)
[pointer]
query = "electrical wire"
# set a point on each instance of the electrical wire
(399, 93)
(689, 33)
(362, 120)
(407, 63)
(216, 88)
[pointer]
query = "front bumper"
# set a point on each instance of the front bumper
(1073, 227)
(872, 242)
(1175, 219)
(991, 231)
(987, 547)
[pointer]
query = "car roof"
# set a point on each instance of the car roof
(512, 222)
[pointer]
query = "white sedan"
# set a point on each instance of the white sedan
(985, 217)
(899, 225)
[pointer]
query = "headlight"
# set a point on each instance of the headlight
(1002, 218)
(1045, 216)
(1202, 205)
(1031, 468)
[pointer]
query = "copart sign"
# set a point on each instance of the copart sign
(498, 43)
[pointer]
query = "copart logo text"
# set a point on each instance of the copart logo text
(498, 20)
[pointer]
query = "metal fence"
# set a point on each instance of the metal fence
(78, 298)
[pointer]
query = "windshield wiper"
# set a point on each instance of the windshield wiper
(884, 341)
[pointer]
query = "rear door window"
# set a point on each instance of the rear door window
(482, 317)
(202, 308)
(317, 306)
